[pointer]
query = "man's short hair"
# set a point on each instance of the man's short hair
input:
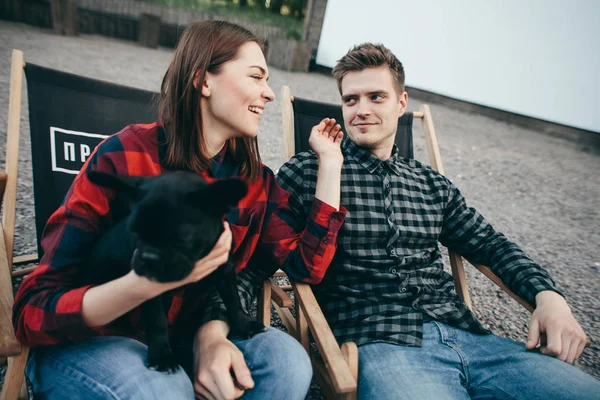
(368, 55)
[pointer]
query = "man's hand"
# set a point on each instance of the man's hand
(219, 367)
(325, 139)
(565, 339)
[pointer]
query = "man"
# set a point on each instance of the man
(386, 289)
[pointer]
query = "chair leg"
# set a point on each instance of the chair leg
(350, 352)
(263, 311)
(14, 379)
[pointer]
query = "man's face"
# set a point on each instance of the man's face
(371, 108)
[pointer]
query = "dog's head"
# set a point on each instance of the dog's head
(176, 218)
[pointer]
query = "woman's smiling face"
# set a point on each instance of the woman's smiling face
(234, 98)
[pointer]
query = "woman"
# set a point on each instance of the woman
(86, 340)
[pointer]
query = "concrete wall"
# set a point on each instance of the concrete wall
(538, 58)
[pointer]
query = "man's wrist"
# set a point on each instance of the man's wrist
(546, 296)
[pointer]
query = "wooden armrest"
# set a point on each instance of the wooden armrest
(9, 346)
(487, 271)
(279, 274)
(331, 353)
(280, 297)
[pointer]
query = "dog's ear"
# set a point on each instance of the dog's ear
(223, 195)
(121, 183)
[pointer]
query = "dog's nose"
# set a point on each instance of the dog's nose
(149, 256)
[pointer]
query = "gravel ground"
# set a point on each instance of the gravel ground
(541, 191)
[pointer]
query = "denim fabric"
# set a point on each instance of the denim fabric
(457, 364)
(114, 367)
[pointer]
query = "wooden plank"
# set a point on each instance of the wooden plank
(25, 259)
(288, 319)
(13, 380)
(263, 312)
(460, 278)
(12, 151)
(9, 346)
(321, 375)
(23, 271)
(433, 150)
(487, 271)
(350, 352)
(287, 115)
(340, 375)
(302, 328)
(279, 274)
(279, 296)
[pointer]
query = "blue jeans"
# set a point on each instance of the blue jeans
(456, 364)
(114, 367)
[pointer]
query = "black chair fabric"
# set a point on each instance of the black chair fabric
(68, 116)
(308, 113)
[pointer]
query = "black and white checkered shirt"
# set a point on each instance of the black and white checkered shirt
(387, 274)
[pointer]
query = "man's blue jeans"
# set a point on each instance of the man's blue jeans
(456, 364)
(114, 367)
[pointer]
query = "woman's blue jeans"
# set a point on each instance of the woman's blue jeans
(114, 367)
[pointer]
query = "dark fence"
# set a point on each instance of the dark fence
(121, 18)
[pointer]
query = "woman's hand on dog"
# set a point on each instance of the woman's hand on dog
(203, 267)
(219, 367)
(213, 260)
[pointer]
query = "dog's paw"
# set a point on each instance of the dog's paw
(245, 327)
(164, 363)
(254, 328)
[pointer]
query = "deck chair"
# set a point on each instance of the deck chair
(68, 115)
(336, 367)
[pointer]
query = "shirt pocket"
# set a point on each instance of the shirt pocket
(242, 226)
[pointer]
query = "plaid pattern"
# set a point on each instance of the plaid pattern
(47, 307)
(387, 275)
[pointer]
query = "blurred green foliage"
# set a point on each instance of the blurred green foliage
(285, 13)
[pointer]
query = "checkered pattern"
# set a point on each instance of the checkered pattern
(47, 307)
(387, 275)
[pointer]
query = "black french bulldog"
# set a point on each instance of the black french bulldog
(176, 219)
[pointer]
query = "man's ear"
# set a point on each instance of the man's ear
(121, 183)
(402, 103)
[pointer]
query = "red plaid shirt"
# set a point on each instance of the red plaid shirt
(47, 307)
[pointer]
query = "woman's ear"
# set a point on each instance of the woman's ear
(206, 84)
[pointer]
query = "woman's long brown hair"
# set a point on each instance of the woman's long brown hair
(203, 46)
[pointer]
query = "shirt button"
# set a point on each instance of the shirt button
(403, 290)
(325, 241)
(393, 252)
(387, 185)
(393, 270)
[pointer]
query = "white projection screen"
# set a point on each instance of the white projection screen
(539, 58)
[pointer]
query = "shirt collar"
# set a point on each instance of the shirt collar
(370, 162)
(222, 165)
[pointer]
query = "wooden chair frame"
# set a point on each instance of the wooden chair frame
(10, 348)
(336, 367)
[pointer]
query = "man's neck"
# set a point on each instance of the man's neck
(383, 153)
